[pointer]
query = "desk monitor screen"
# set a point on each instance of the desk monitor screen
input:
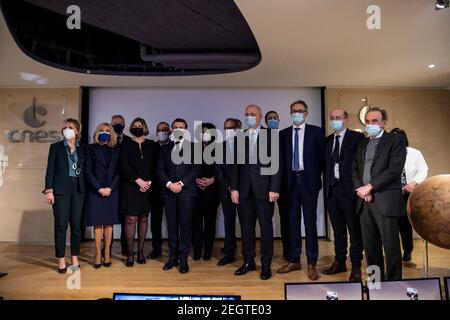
(143, 296)
(408, 289)
(323, 291)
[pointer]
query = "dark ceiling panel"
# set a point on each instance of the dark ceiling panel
(142, 37)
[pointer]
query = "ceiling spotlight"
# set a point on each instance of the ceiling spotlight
(442, 4)
(431, 66)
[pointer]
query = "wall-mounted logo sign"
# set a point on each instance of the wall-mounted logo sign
(363, 111)
(33, 116)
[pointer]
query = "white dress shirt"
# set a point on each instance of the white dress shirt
(416, 168)
(300, 143)
(341, 140)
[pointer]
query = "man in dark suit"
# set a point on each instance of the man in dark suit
(255, 190)
(118, 124)
(177, 173)
(377, 169)
(340, 194)
(156, 214)
(223, 175)
(302, 150)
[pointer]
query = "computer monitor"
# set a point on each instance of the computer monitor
(407, 289)
(323, 291)
(447, 287)
(145, 296)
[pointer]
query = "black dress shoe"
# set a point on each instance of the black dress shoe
(97, 265)
(141, 258)
(246, 267)
(224, 261)
(170, 264)
(155, 254)
(266, 274)
(107, 264)
(196, 257)
(355, 275)
(335, 268)
(130, 261)
(207, 256)
(62, 270)
(407, 256)
(184, 267)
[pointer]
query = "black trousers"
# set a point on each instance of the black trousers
(179, 211)
(68, 210)
(204, 222)
(406, 231)
(251, 209)
(343, 217)
(156, 217)
(229, 215)
(381, 232)
(284, 226)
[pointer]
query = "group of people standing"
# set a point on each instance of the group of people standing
(121, 180)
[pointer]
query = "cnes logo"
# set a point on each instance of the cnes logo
(33, 116)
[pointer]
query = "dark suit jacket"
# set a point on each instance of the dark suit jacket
(348, 148)
(387, 168)
(224, 172)
(313, 157)
(184, 172)
(99, 173)
(57, 175)
(246, 176)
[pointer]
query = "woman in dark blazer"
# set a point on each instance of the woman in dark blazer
(102, 201)
(205, 215)
(64, 190)
(136, 165)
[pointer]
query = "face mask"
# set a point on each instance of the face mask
(273, 123)
(162, 135)
(68, 133)
(177, 133)
(336, 125)
(118, 128)
(229, 134)
(206, 137)
(137, 132)
(297, 118)
(104, 136)
(373, 130)
(250, 121)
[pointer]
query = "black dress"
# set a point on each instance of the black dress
(135, 162)
(102, 172)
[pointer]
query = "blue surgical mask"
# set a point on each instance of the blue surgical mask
(250, 121)
(337, 125)
(297, 118)
(273, 123)
(229, 134)
(373, 130)
(104, 136)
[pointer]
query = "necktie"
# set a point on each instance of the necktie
(336, 150)
(296, 164)
(252, 143)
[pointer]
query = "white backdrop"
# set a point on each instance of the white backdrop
(207, 105)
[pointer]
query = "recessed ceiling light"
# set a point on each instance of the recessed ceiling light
(431, 66)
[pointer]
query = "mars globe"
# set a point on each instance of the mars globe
(429, 210)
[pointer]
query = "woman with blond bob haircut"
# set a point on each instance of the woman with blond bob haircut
(65, 190)
(102, 201)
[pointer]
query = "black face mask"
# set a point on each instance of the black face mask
(118, 128)
(137, 132)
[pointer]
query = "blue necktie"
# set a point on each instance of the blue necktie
(296, 164)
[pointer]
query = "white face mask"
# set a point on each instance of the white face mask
(206, 137)
(69, 133)
(179, 131)
(163, 135)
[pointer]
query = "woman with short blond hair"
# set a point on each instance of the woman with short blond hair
(65, 190)
(102, 201)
